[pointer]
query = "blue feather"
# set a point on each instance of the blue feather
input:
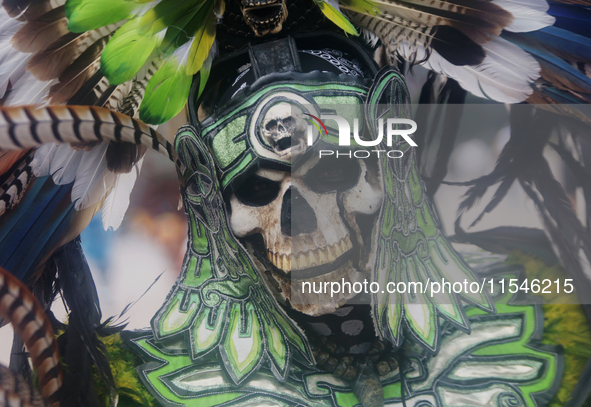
(568, 45)
(573, 18)
(559, 96)
(54, 231)
(9, 222)
(30, 232)
(564, 73)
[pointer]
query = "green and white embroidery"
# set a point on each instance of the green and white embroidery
(499, 363)
(219, 303)
(410, 244)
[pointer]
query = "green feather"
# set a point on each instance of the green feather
(337, 17)
(166, 93)
(165, 14)
(126, 53)
(182, 30)
(203, 41)
(361, 6)
(219, 8)
(86, 15)
(204, 74)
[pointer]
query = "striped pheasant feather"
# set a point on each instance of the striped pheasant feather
(16, 392)
(15, 180)
(27, 126)
(59, 55)
(43, 62)
(461, 39)
(21, 308)
(180, 35)
(479, 20)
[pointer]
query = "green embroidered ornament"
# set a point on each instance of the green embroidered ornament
(500, 362)
(219, 304)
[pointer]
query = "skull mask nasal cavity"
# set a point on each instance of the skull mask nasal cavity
(301, 212)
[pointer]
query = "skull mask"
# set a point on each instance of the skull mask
(309, 217)
(283, 129)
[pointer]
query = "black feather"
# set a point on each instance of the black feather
(530, 131)
(88, 94)
(422, 114)
(79, 345)
(19, 359)
(563, 228)
(456, 47)
(452, 94)
(121, 157)
(506, 239)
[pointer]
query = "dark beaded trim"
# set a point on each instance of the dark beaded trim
(333, 359)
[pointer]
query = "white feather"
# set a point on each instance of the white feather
(93, 179)
(64, 165)
(58, 160)
(512, 61)
(530, 15)
(369, 37)
(26, 89)
(505, 74)
(12, 62)
(42, 159)
(29, 91)
(117, 201)
(12, 68)
(8, 27)
(87, 169)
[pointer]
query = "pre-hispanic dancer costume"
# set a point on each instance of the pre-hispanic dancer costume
(85, 84)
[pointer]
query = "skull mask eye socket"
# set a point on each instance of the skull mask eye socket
(257, 191)
(332, 174)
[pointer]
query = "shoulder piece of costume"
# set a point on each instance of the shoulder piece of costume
(500, 362)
